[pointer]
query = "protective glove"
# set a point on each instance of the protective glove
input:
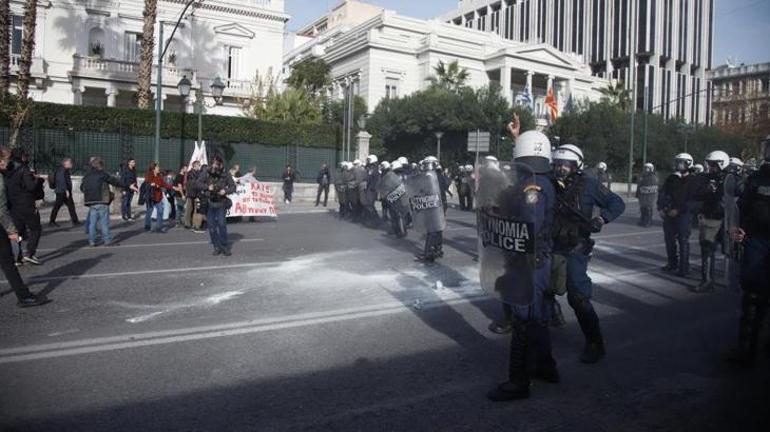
(596, 224)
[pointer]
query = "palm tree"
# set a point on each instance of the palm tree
(144, 76)
(5, 52)
(449, 76)
(23, 105)
(617, 95)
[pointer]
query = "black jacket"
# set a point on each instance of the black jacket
(96, 187)
(323, 173)
(220, 180)
(675, 194)
(21, 184)
(63, 181)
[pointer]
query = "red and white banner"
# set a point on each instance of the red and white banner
(252, 198)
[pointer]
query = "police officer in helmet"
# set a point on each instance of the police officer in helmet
(647, 193)
(674, 210)
(530, 330)
(710, 192)
(754, 237)
(577, 195)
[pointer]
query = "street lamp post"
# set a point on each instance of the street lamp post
(439, 135)
(217, 89)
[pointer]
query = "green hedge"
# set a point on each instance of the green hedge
(177, 125)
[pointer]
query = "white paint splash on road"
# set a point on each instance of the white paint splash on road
(211, 300)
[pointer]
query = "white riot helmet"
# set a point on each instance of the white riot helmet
(468, 168)
(404, 161)
(683, 162)
(648, 167)
(396, 165)
(736, 162)
(717, 158)
(385, 165)
(533, 148)
(491, 162)
(567, 160)
(601, 166)
(429, 163)
(357, 163)
(371, 159)
(697, 168)
(572, 148)
(735, 166)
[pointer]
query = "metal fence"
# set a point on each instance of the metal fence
(47, 147)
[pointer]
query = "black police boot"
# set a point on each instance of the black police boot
(684, 259)
(706, 274)
(32, 300)
(539, 338)
(753, 310)
(593, 352)
(517, 386)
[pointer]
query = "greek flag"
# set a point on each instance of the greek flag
(525, 98)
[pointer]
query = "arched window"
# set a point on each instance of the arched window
(96, 40)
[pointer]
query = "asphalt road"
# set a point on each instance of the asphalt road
(319, 324)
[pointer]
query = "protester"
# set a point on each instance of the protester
(24, 189)
(98, 197)
(8, 235)
(62, 186)
(235, 171)
(323, 180)
(128, 177)
(289, 177)
(153, 195)
(191, 198)
(170, 195)
(179, 188)
(215, 184)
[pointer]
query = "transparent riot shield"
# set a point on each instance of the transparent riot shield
(507, 211)
(425, 202)
(392, 189)
(731, 222)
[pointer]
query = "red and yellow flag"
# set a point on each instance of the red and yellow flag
(550, 102)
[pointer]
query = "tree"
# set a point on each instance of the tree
(5, 52)
(617, 95)
(311, 74)
(144, 96)
(449, 76)
(292, 106)
(21, 103)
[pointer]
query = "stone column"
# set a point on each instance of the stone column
(77, 95)
(112, 95)
(550, 82)
(505, 83)
(363, 139)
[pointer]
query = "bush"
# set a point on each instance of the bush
(177, 125)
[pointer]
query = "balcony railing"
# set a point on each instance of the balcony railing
(122, 70)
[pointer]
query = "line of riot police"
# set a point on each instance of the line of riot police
(411, 196)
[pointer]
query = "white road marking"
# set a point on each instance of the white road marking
(86, 346)
(148, 245)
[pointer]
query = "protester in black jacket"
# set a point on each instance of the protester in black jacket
(128, 177)
(98, 197)
(323, 179)
(62, 186)
(289, 177)
(9, 234)
(214, 185)
(24, 189)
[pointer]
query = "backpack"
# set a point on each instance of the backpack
(52, 180)
(39, 191)
(143, 192)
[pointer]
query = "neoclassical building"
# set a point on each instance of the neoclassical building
(87, 51)
(390, 55)
(669, 41)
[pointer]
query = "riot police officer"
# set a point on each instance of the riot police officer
(425, 192)
(369, 197)
(754, 237)
(577, 195)
(384, 169)
(647, 193)
(698, 169)
(602, 175)
(710, 192)
(530, 330)
(674, 210)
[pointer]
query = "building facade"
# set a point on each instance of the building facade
(390, 56)
(741, 97)
(670, 41)
(87, 51)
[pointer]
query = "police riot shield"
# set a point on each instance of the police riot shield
(425, 202)
(507, 211)
(392, 190)
(361, 177)
(648, 190)
(731, 222)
